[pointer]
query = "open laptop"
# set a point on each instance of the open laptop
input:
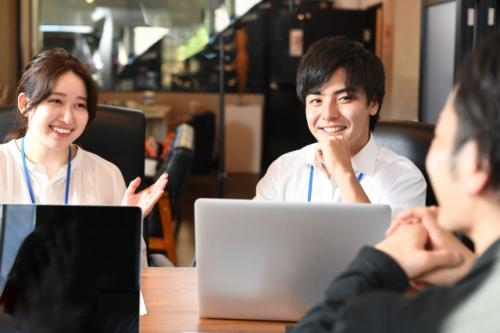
(69, 268)
(274, 260)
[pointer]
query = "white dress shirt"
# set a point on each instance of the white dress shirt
(388, 178)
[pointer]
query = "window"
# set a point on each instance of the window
(137, 44)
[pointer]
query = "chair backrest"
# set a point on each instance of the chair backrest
(204, 128)
(178, 164)
(184, 136)
(116, 134)
(410, 139)
(8, 120)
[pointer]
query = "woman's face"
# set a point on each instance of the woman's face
(59, 119)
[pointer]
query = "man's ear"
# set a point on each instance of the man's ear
(22, 103)
(373, 107)
(475, 171)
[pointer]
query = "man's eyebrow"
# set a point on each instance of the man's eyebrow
(349, 90)
(345, 90)
(314, 92)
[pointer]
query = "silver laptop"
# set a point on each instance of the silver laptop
(274, 261)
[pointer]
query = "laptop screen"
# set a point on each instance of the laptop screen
(69, 268)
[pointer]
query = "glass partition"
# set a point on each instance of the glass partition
(138, 44)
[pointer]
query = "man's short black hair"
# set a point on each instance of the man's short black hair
(364, 71)
(477, 105)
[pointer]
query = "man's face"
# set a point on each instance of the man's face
(447, 171)
(337, 110)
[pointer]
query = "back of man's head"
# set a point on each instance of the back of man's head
(363, 70)
(477, 104)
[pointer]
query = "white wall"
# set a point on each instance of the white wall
(400, 55)
(406, 60)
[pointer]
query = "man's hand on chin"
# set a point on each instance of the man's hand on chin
(334, 156)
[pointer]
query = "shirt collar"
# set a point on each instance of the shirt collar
(363, 161)
(491, 253)
(16, 152)
(309, 153)
(490, 256)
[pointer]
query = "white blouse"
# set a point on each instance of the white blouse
(93, 181)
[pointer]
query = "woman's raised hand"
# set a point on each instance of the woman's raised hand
(147, 198)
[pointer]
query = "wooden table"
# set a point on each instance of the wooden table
(171, 300)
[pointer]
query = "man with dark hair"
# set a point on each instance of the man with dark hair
(342, 86)
(464, 169)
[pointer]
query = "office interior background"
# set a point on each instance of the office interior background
(165, 58)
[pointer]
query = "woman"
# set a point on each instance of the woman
(40, 163)
(57, 98)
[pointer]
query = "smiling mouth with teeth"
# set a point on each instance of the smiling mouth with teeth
(61, 130)
(334, 130)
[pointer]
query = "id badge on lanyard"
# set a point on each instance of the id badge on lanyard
(311, 176)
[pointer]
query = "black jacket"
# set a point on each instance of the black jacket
(369, 297)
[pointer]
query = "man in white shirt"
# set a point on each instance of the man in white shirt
(342, 86)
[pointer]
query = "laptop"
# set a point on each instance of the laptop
(69, 268)
(274, 260)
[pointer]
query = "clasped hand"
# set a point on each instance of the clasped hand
(426, 252)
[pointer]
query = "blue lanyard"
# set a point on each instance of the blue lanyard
(311, 174)
(27, 175)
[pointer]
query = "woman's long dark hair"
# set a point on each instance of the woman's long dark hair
(40, 76)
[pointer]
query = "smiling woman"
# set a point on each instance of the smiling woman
(58, 121)
(40, 163)
(57, 98)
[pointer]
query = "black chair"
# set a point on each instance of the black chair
(165, 218)
(204, 126)
(117, 135)
(410, 139)
(8, 120)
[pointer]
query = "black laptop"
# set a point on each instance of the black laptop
(69, 268)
